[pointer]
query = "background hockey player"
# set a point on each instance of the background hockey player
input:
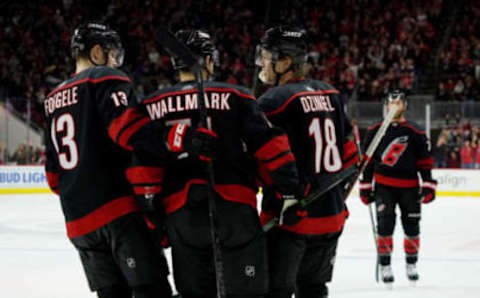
(400, 156)
(244, 138)
(302, 250)
(90, 130)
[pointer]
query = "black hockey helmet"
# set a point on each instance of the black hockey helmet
(199, 42)
(88, 35)
(283, 41)
(396, 95)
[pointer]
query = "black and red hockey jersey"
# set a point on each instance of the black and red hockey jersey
(402, 153)
(245, 137)
(91, 127)
(312, 115)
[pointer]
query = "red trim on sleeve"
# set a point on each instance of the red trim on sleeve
(122, 121)
(273, 147)
(404, 124)
(374, 126)
(101, 216)
(296, 95)
(132, 129)
(395, 182)
(351, 162)
(278, 162)
(52, 179)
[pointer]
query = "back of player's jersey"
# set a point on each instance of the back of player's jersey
(232, 114)
(313, 116)
(89, 165)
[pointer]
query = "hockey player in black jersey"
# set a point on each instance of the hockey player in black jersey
(92, 124)
(245, 138)
(302, 249)
(392, 179)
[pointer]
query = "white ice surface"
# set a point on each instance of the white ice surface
(37, 260)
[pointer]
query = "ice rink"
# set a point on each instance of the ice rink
(37, 260)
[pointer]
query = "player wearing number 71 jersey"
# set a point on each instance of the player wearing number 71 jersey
(302, 249)
(92, 124)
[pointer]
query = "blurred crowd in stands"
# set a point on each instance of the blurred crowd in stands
(23, 155)
(362, 47)
(458, 146)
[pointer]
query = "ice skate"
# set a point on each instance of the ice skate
(387, 275)
(412, 274)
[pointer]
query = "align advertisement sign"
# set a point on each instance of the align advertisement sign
(32, 179)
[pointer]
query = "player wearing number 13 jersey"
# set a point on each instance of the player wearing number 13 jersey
(302, 249)
(401, 155)
(92, 124)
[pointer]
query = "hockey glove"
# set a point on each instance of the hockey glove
(367, 195)
(427, 194)
(199, 142)
(292, 212)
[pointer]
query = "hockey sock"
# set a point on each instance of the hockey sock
(411, 246)
(385, 247)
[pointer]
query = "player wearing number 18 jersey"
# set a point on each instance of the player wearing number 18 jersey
(302, 250)
(92, 124)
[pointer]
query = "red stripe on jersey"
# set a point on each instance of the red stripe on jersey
(122, 121)
(395, 182)
(101, 216)
(273, 148)
(230, 192)
(319, 225)
(191, 91)
(144, 175)
(237, 193)
(278, 162)
(127, 133)
(177, 200)
(411, 245)
(425, 164)
(349, 149)
(52, 179)
(296, 95)
(121, 78)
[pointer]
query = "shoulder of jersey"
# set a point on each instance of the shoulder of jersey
(277, 98)
(413, 126)
(208, 86)
(375, 125)
(99, 73)
(221, 86)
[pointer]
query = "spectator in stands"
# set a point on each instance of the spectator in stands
(20, 155)
(1, 154)
(466, 155)
(440, 151)
(453, 162)
(477, 154)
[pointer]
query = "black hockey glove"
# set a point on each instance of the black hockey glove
(367, 195)
(427, 194)
(199, 142)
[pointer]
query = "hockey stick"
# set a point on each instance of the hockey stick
(334, 180)
(325, 186)
(370, 210)
(177, 49)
